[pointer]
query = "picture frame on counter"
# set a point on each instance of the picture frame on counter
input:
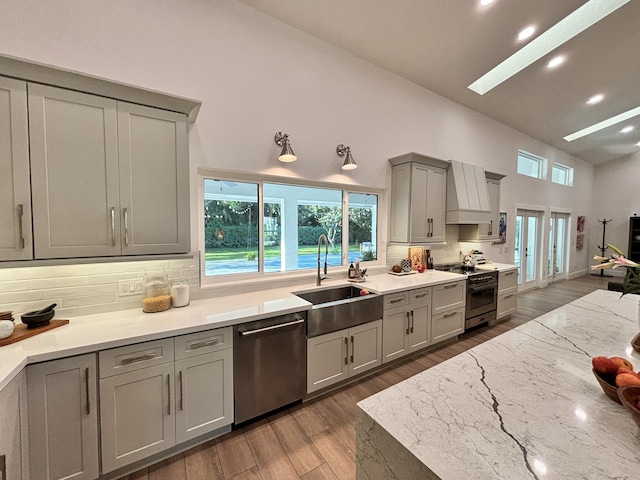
(416, 257)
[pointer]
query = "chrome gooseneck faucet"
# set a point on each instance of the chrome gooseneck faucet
(326, 252)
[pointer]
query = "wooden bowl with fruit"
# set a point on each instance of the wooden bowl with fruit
(630, 398)
(612, 373)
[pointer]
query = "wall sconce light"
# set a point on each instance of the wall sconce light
(287, 155)
(349, 162)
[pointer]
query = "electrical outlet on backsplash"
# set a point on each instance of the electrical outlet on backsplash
(86, 289)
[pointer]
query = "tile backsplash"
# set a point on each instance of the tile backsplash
(84, 289)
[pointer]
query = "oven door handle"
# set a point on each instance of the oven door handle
(481, 289)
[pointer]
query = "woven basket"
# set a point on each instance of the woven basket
(609, 389)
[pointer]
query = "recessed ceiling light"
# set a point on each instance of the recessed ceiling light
(638, 144)
(567, 28)
(597, 98)
(555, 61)
(621, 117)
(627, 129)
(484, 3)
(526, 33)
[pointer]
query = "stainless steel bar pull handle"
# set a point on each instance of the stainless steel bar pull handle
(447, 315)
(420, 295)
(396, 300)
(508, 296)
(274, 327)
(181, 392)
(169, 393)
(113, 226)
(491, 227)
(451, 285)
(408, 328)
(141, 358)
(411, 321)
(126, 227)
(346, 351)
(20, 226)
(208, 343)
(353, 348)
(509, 273)
(86, 386)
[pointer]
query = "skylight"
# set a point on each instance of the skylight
(603, 124)
(567, 28)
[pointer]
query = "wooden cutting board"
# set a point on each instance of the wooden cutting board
(21, 331)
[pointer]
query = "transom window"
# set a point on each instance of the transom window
(260, 227)
(562, 174)
(531, 165)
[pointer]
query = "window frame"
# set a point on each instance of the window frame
(568, 172)
(260, 180)
(541, 161)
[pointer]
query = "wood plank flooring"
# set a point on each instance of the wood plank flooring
(315, 440)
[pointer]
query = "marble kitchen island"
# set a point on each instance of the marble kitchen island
(524, 405)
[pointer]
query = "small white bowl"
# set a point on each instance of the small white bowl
(6, 328)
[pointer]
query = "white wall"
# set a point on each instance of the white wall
(615, 198)
(256, 76)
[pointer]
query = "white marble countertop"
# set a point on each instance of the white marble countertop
(524, 405)
(91, 333)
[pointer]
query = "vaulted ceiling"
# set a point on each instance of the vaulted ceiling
(445, 46)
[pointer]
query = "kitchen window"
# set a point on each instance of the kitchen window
(561, 174)
(254, 228)
(532, 165)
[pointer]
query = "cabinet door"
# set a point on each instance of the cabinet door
(395, 328)
(327, 360)
(435, 203)
(365, 343)
(63, 419)
(74, 173)
(154, 180)
(420, 326)
(204, 396)
(13, 425)
(448, 296)
(420, 222)
(15, 187)
(137, 415)
(490, 231)
(400, 203)
(447, 325)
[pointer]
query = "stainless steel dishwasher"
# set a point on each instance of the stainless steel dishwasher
(269, 365)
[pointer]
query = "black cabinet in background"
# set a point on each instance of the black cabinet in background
(634, 239)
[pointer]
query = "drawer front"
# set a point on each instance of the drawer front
(507, 280)
(203, 342)
(420, 295)
(446, 325)
(507, 303)
(398, 299)
(448, 296)
(134, 357)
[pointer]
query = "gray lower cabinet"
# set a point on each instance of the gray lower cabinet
(15, 186)
(406, 324)
(13, 425)
(448, 310)
(63, 419)
(158, 394)
(507, 293)
(336, 356)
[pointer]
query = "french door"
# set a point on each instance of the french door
(527, 248)
(558, 238)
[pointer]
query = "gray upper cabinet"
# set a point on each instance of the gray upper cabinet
(15, 188)
(108, 178)
(418, 199)
(154, 180)
(74, 173)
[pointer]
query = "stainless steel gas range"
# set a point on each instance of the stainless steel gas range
(482, 293)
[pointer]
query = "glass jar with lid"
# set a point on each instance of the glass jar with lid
(157, 293)
(179, 292)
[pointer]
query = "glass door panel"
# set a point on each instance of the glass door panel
(527, 247)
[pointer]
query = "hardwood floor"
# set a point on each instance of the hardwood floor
(316, 440)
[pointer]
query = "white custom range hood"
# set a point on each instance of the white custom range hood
(467, 194)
